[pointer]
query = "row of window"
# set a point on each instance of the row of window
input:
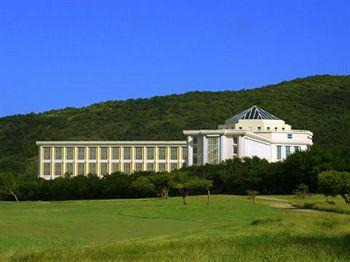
(287, 152)
(259, 128)
(104, 152)
(92, 168)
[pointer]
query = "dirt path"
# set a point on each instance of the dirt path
(285, 204)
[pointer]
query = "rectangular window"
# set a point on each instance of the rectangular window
(279, 152)
(104, 169)
(58, 153)
(161, 153)
(47, 169)
(69, 168)
(58, 169)
(173, 166)
(115, 152)
(161, 167)
(138, 167)
(150, 167)
(289, 136)
(138, 152)
(104, 153)
(212, 150)
(195, 150)
(115, 167)
(235, 150)
(150, 153)
(81, 153)
(92, 168)
(70, 154)
(195, 140)
(127, 153)
(235, 140)
(184, 153)
(127, 168)
(81, 168)
(92, 154)
(195, 160)
(47, 153)
(173, 153)
(288, 152)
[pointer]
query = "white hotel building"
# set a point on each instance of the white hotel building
(253, 132)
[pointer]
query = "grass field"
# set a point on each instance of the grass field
(231, 228)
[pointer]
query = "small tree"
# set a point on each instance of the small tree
(143, 184)
(302, 191)
(251, 195)
(333, 183)
(8, 185)
(161, 184)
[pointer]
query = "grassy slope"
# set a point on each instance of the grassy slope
(319, 103)
(152, 229)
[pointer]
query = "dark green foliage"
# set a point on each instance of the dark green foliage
(319, 103)
(333, 183)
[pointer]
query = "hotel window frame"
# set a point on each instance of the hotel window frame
(127, 153)
(184, 153)
(128, 169)
(288, 151)
(173, 166)
(81, 153)
(47, 167)
(68, 154)
(60, 169)
(47, 153)
(138, 153)
(69, 164)
(162, 153)
(150, 153)
(115, 167)
(289, 136)
(81, 167)
(195, 140)
(104, 169)
(150, 167)
(279, 152)
(116, 153)
(104, 153)
(92, 153)
(92, 168)
(138, 167)
(58, 153)
(174, 154)
(161, 169)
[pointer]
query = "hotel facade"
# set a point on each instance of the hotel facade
(253, 132)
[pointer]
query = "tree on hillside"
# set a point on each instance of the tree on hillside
(333, 183)
(8, 185)
(161, 184)
(184, 182)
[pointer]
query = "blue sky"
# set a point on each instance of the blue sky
(55, 54)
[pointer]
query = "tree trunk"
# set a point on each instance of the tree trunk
(14, 196)
(208, 201)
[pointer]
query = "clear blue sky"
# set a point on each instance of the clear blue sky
(55, 54)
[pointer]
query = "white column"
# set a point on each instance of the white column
(241, 146)
(189, 146)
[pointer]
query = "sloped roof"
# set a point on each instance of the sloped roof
(252, 113)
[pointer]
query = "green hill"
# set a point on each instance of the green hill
(318, 103)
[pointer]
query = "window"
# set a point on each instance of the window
(268, 128)
(259, 128)
(58, 153)
(161, 167)
(81, 153)
(138, 152)
(69, 168)
(283, 128)
(235, 150)
(115, 167)
(195, 160)
(104, 153)
(58, 169)
(47, 167)
(275, 128)
(279, 152)
(70, 154)
(81, 168)
(150, 167)
(104, 169)
(195, 150)
(92, 168)
(213, 150)
(173, 166)
(235, 140)
(184, 153)
(290, 136)
(47, 153)
(173, 153)
(195, 140)
(288, 152)
(115, 152)
(127, 167)
(138, 167)
(240, 127)
(92, 154)
(150, 153)
(127, 153)
(161, 153)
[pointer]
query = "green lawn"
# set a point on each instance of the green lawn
(231, 228)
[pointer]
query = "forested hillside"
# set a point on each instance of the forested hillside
(319, 103)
